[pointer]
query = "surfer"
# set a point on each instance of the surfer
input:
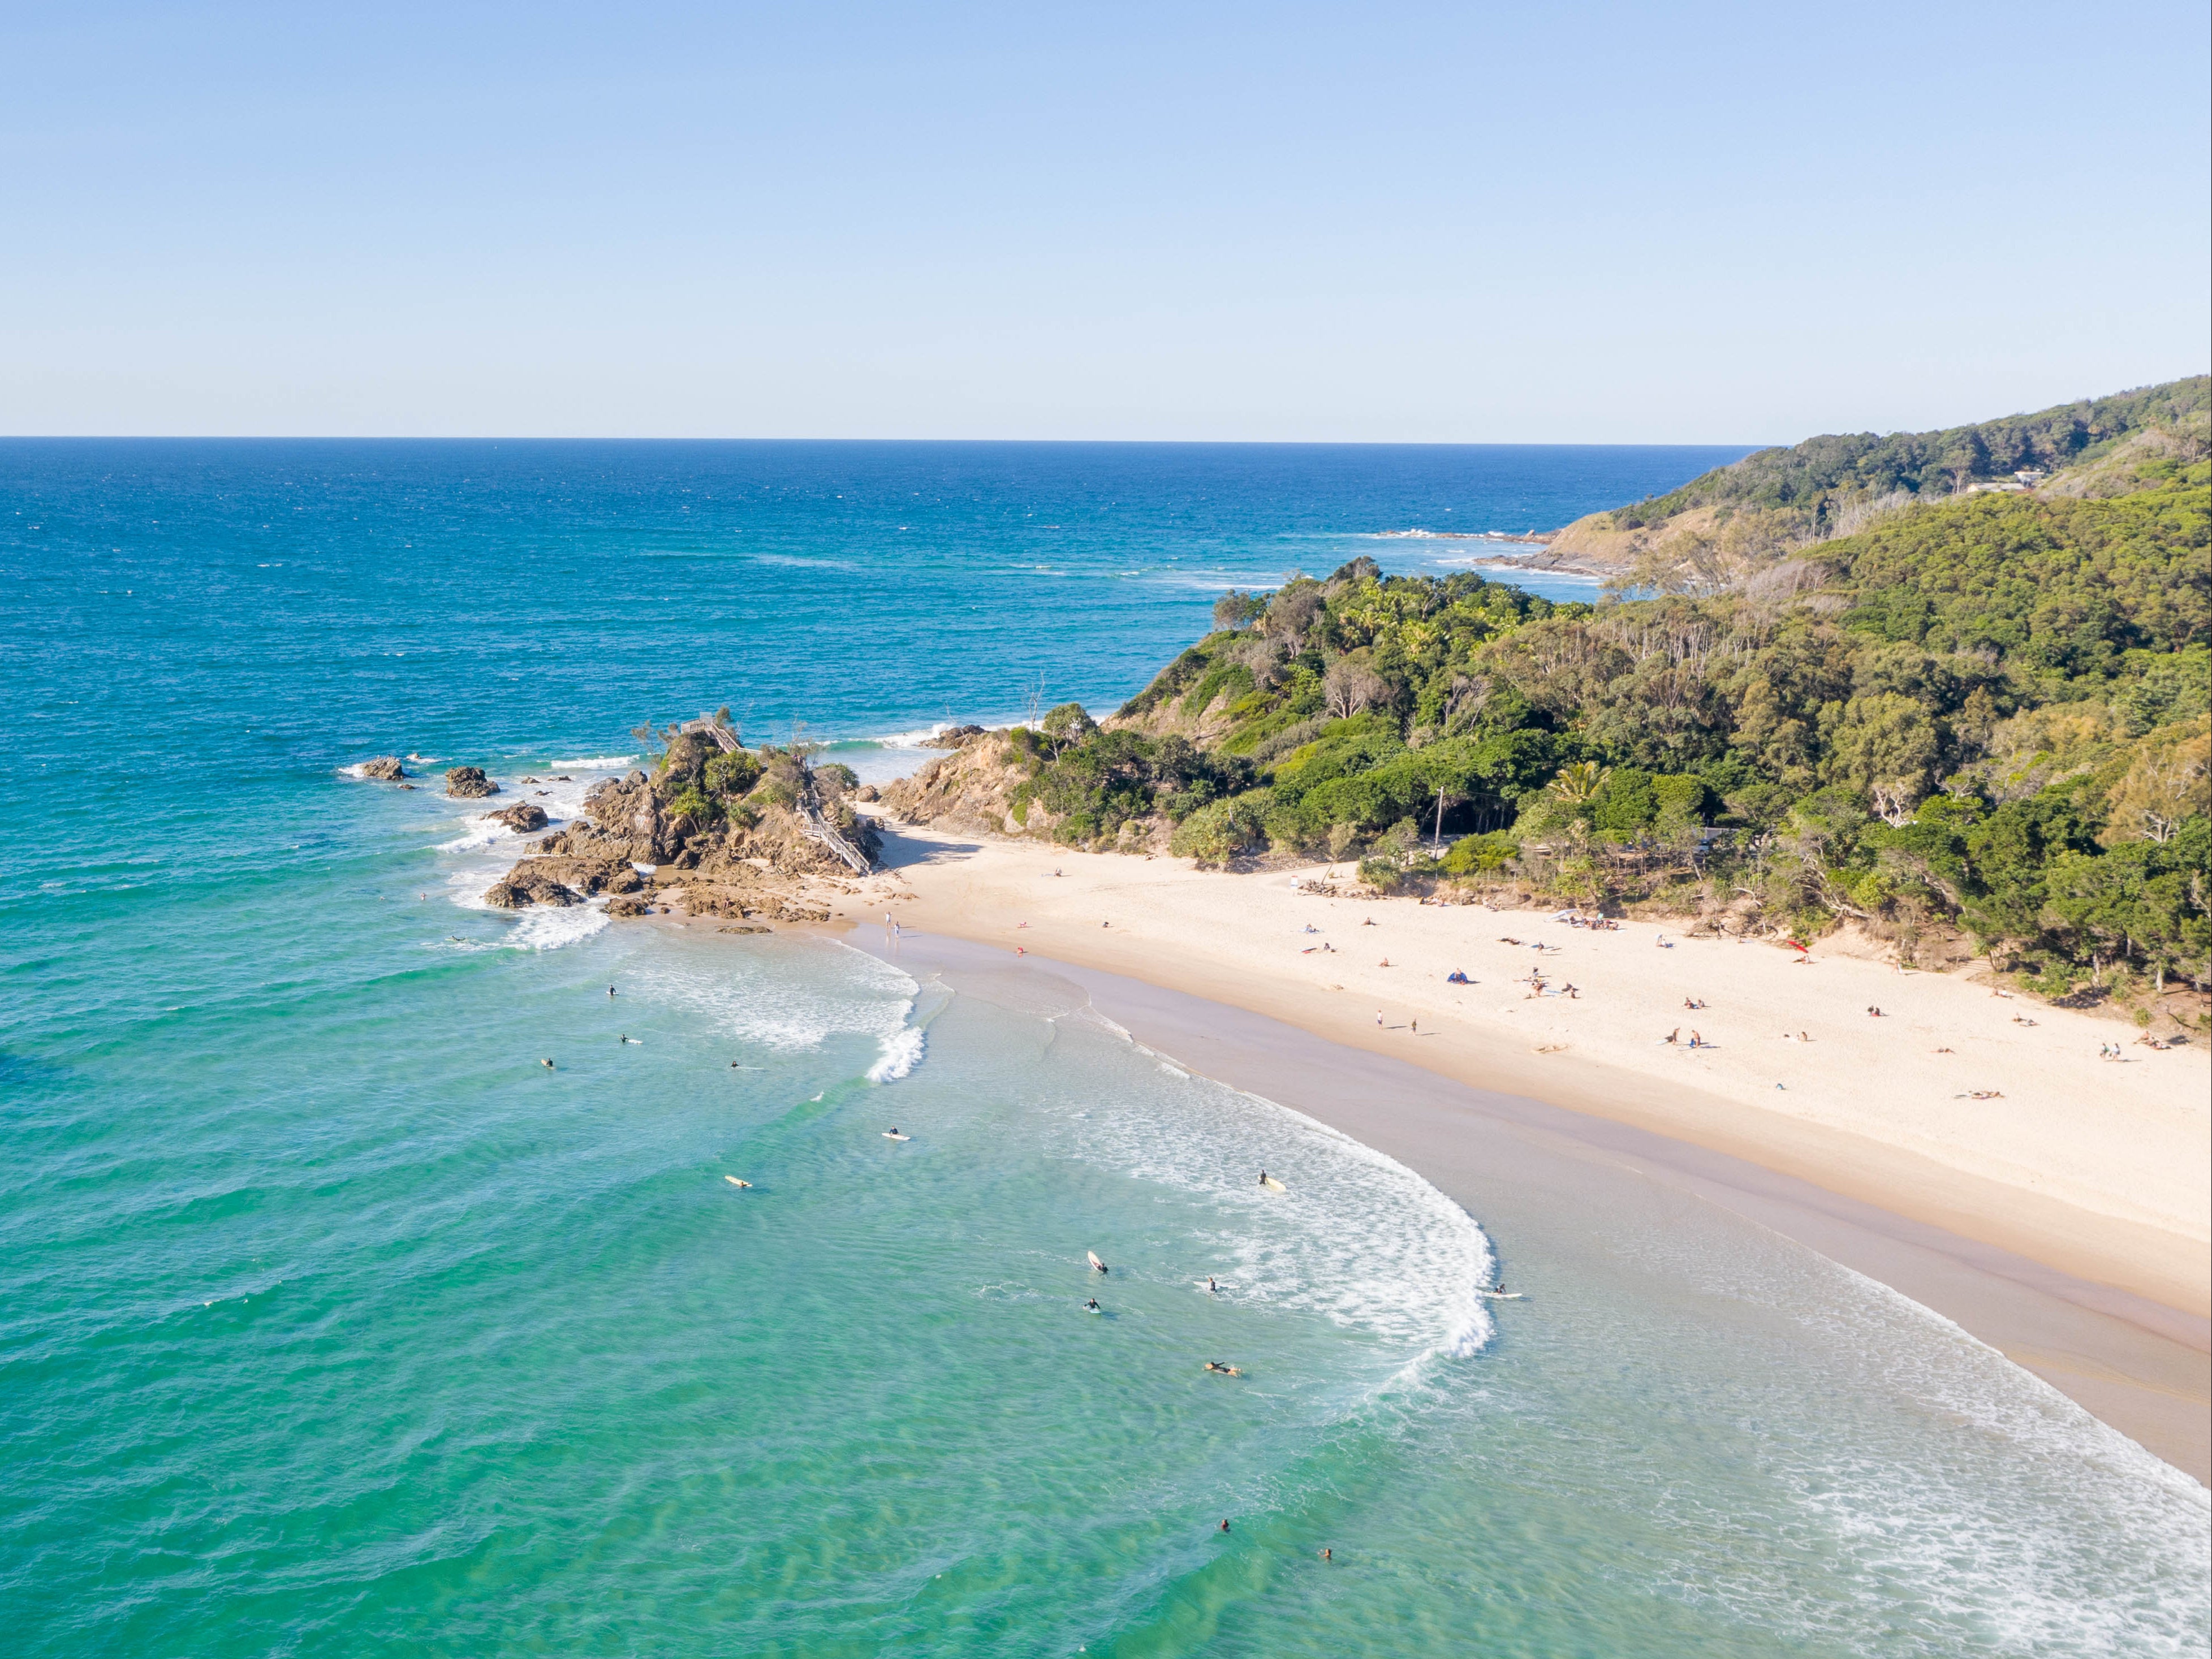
(1211, 1289)
(1328, 1554)
(1225, 1370)
(547, 1064)
(1093, 1305)
(611, 990)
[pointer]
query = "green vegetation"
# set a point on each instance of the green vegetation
(1987, 713)
(1816, 482)
(1722, 530)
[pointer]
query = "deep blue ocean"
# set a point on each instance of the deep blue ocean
(331, 1323)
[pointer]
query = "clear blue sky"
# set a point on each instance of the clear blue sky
(1473, 222)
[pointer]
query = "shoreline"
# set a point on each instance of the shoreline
(2105, 1308)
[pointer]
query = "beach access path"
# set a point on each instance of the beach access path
(2100, 1168)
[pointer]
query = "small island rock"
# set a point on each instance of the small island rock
(385, 768)
(469, 783)
(522, 819)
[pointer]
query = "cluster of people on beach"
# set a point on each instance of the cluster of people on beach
(1595, 924)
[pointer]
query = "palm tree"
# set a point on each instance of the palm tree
(1579, 783)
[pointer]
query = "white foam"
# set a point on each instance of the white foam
(902, 1052)
(480, 834)
(596, 762)
(543, 929)
(757, 998)
(1359, 1239)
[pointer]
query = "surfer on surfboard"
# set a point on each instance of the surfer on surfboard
(1095, 1261)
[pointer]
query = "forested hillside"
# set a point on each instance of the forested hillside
(1987, 715)
(1725, 524)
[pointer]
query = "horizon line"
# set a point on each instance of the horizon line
(586, 438)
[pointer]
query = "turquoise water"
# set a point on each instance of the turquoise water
(334, 1323)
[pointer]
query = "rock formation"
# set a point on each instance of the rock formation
(385, 768)
(723, 831)
(524, 819)
(469, 783)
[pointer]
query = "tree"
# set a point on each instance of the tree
(2169, 781)
(1067, 725)
(1885, 743)
(1579, 783)
(1351, 688)
(1237, 609)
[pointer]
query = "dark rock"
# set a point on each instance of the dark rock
(953, 736)
(469, 783)
(741, 929)
(629, 904)
(523, 819)
(385, 768)
(526, 886)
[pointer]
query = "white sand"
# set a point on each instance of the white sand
(2101, 1168)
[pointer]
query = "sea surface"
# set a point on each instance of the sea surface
(333, 1322)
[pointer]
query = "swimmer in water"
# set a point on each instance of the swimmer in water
(1093, 1305)
(1225, 1370)
(611, 990)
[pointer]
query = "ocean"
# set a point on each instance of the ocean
(333, 1323)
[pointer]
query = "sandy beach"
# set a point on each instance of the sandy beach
(2084, 1174)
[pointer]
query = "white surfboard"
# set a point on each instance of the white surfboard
(893, 1135)
(1095, 1261)
(1272, 1185)
(734, 1181)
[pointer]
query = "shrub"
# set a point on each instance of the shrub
(1481, 855)
(732, 775)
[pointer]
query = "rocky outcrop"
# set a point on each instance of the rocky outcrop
(560, 880)
(953, 736)
(972, 789)
(523, 819)
(385, 768)
(523, 886)
(469, 783)
(723, 831)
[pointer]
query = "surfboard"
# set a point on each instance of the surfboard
(1503, 1295)
(1272, 1185)
(734, 1181)
(893, 1135)
(1095, 1261)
